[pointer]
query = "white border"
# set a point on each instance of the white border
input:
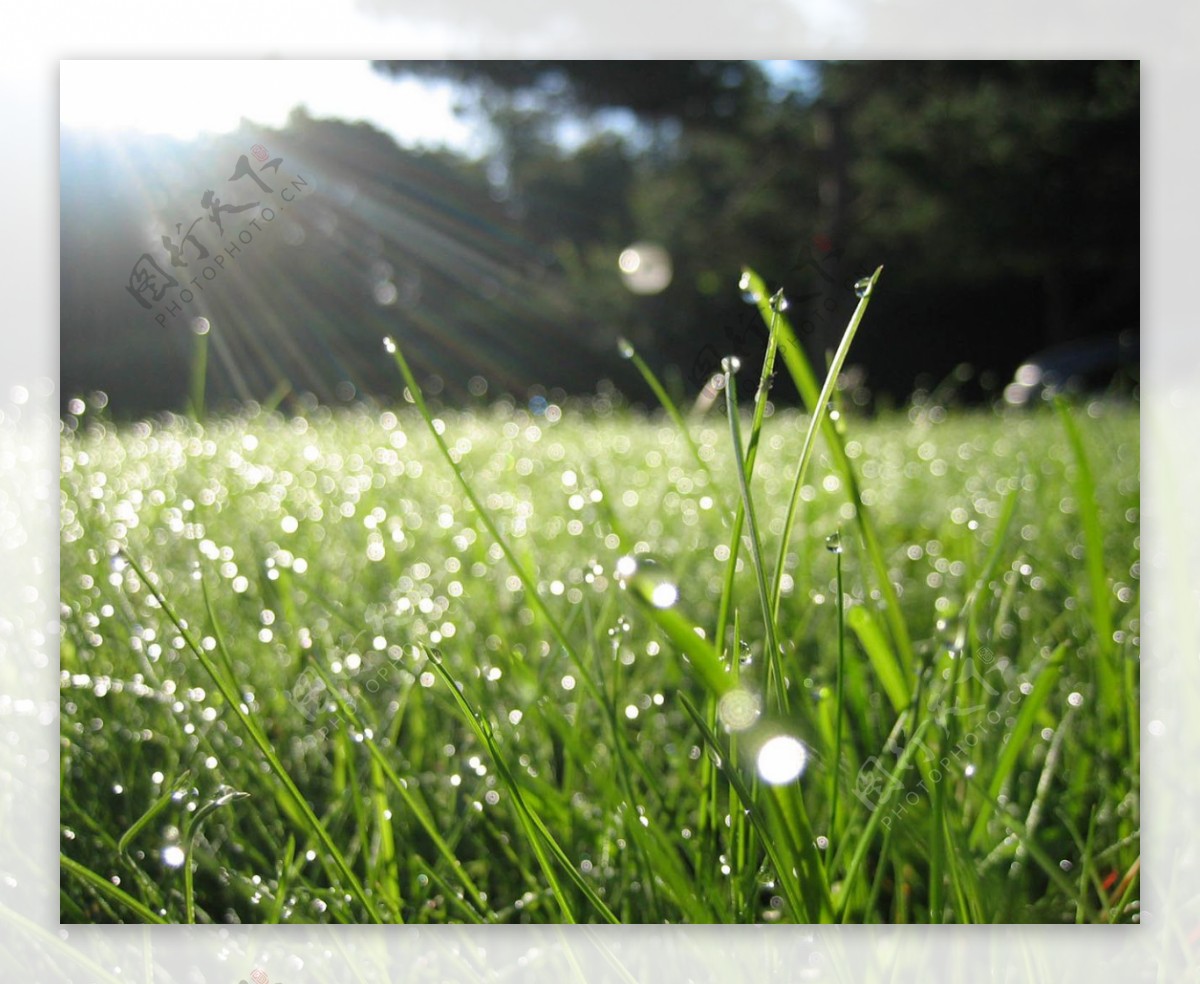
(1164, 35)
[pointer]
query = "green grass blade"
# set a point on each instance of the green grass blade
(155, 809)
(778, 848)
(109, 890)
(775, 683)
(199, 373)
(883, 660)
(233, 699)
(1110, 681)
(806, 383)
(527, 579)
(1093, 533)
(818, 415)
(701, 655)
(628, 351)
(760, 408)
(839, 696)
(414, 805)
(190, 833)
(858, 858)
(1031, 706)
(539, 836)
(1030, 845)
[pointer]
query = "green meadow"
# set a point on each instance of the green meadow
(588, 663)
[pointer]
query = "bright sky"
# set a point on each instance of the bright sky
(186, 98)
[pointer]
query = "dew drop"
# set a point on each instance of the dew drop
(833, 543)
(781, 759)
(622, 627)
(649, 579)
(664, 595)
(173, 856)
(389, 345)
(779, 303)
(862, 287)
(746, 286)
(730, 364)
(625, 347)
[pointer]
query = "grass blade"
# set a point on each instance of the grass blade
(818, 415)
(775, 845)
(233, 699)
(108, 889)
(629, 352)
(527, 579)
(155, 809)
(418, 809)
(189, 840)
(887, 667)
(806, 383)
(540, 838)
(1031, 706)
(774, 669)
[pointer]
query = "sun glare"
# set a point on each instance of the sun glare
(184, 99)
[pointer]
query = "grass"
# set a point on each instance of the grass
(425, 665)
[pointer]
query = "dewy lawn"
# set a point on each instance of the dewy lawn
(497, 665)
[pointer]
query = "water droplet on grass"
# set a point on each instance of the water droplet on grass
(625, 348)
(730, 364)
(779, 303)
(664, 595)
(781, 759)
(746, 286)
(648, 578)
(862, 287)
(833, 543)
(622, 626)
(389, 345)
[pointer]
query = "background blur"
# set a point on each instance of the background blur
(507, 222)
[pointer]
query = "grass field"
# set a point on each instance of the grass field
(305, 678)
